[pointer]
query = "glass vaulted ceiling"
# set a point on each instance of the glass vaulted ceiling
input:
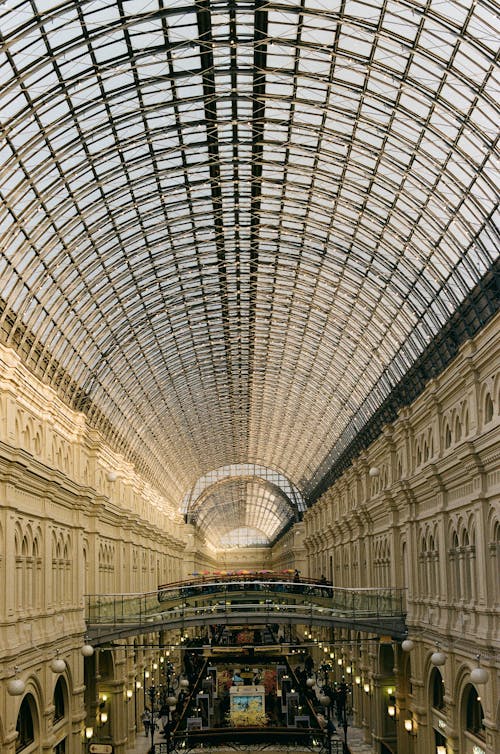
(227, 228)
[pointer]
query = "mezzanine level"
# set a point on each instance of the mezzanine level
(247, 602)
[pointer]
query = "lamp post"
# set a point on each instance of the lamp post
(342, 711)
(152, 701)
(326, 699)
(170, 701)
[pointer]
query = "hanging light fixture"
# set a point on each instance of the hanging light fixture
(16, 685)
(407, 645)
(438, 658)
(87, 650)
(58, 665)
(479, 675)
(374, 471)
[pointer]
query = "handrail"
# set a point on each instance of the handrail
(208, 601)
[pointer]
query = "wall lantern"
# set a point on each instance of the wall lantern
(130, 694)
(366, 688)
(440, 749)
(391, 710)
(89, 732)
(104, 717)
(357, 680)
(409, 725)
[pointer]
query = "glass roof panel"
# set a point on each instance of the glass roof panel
(265, 213)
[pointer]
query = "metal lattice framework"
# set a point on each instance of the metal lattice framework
(229, 229)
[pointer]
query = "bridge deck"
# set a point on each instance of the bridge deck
(244, 602)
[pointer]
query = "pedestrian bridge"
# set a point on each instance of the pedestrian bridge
(242, 601)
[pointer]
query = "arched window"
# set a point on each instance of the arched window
(437, 689)
(488, 409)
(447, 436)
(473, 712)
(25, 725)
(59, 703)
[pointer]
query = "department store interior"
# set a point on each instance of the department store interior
(249, 377)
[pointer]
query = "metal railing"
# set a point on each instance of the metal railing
(212, 601)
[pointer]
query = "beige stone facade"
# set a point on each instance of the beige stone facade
(421, 510)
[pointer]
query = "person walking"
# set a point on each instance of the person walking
(146, 718)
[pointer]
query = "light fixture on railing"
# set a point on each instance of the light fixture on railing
(357, 680)
(138, 685)
(129, 694)
(89, 732)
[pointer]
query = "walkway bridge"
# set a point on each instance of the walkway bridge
(243, 601)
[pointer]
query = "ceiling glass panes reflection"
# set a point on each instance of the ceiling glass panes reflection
(228, 230)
